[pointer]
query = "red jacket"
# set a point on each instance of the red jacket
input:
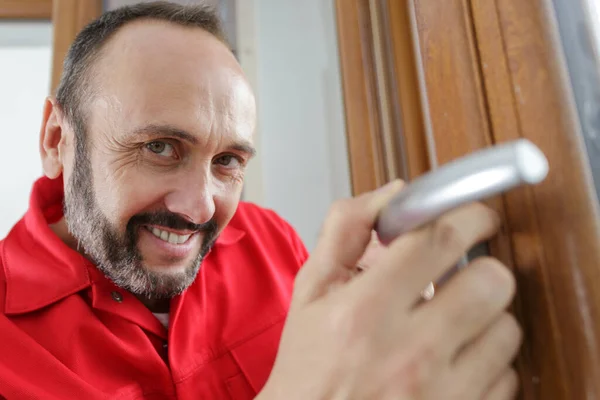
(66, 332)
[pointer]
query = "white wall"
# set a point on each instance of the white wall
(303, 148)
(24, 83)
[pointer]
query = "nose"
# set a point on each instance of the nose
(192, 196)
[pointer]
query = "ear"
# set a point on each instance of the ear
(52, 139)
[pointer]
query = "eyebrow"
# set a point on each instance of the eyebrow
(166, 130)
(243, 146)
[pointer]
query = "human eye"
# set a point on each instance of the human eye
(229, 161)
(161, 148)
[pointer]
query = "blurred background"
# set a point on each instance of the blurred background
(289, 51)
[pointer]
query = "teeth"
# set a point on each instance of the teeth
(170, 237)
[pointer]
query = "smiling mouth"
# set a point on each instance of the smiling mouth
(167, 236)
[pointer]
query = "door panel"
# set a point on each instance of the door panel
(555, 226)
(367, 166)
(452, 81)
(471, 73)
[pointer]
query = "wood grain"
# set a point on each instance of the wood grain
(456, 102)
(414, 148)
(389, 111)
(540, 355)
(493, 73)
(555, 225)
(68, 18)
(26, 9)
(367, 168)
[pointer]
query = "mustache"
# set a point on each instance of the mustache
(171, 220)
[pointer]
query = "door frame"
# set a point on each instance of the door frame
(469, 74)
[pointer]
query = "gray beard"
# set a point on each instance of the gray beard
(116, 254)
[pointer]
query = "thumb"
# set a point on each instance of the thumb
(343, 240)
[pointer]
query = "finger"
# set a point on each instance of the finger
(464, 307)
(422, 256)
(342, 241)
(372, 254)
(348, 227)
(505, 388)
(482, 362)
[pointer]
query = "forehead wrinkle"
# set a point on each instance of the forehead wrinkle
(235, 107)
(211, 88)
(223, 108)
(102, 114)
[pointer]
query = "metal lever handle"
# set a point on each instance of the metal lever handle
(474, 177)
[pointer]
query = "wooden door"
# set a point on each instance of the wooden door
(427, 81)
(68, 18)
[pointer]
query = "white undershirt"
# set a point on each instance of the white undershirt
(163, 318)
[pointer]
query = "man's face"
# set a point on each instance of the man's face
(168, 135)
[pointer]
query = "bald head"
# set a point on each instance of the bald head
(85, 50)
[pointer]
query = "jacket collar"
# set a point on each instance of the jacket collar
(39, 268)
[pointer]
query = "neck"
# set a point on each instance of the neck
(155, 305)
(61, 230)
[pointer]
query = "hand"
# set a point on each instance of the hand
(374, 252)
(367, 336)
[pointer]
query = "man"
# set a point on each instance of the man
(137, 273)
